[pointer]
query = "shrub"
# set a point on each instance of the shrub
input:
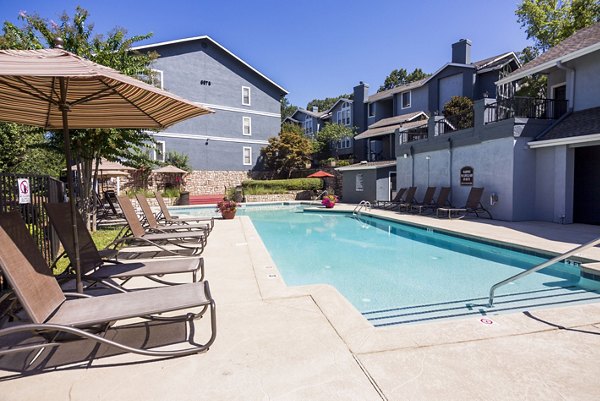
(260, 187)
(171, 193)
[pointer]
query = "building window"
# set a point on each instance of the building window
(159, 151)
(371, 109)
(344, 116)
(245, 96)
(308, 127)
(405, 100)
(345, 143)
(246, 126)
(247, 156)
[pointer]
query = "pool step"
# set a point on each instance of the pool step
(473, 307)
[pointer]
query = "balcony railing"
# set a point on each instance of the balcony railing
(525, 107)
(410, 136)
(454, 122)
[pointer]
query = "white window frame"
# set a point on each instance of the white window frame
(345, 143)
(307, 125)
(344, 116)
(244, 88)
(246, 122)
(409, 99)
(162, 145)
(371, 110)
(249, 150)
(157, 73)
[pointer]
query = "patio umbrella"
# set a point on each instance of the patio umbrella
(320, 174)
(169, 170)
(55, 89)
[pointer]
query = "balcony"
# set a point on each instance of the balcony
(525, 107)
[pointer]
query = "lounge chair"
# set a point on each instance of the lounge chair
(186, 243)
(165, 215)
(111, 200)
(427, 200)
(95, 269)
(52, 315)
(177, 225)
(473, 205)
(441, 201)
(409, 199)
(387, 204)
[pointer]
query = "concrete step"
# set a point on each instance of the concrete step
(472, 307)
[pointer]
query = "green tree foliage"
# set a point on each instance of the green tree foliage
(113, 50)
(289, 151)
(329, 135)
(179, 160)
(402, 77)
(25, 150)
(548, 22)
(287, 109)
(325, 104)
(459, 112)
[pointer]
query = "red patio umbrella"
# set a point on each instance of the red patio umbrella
(320, 174)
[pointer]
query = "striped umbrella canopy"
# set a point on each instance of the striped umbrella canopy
(55, 89)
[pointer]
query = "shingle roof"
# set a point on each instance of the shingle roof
(368, 165)
(310, 113)
(397, 89)
(579, 123)
(397, 119)
(579, 40)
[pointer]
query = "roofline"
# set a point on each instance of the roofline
(572, 140)
(170, 42)
(501, 57)
(567, 57)
(359, 167)
(342, 99)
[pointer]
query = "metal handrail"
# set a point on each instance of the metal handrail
(362, 204)
(540, 266)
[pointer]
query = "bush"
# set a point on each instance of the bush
(262, 187)
(171, 193)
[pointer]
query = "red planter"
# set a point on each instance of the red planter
(228, 214)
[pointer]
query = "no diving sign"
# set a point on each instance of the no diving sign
(24, 191)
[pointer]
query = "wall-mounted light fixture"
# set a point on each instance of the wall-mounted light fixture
(206, 143)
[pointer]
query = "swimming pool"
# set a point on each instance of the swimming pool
(395, 273)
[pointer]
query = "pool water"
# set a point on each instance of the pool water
(383, 266)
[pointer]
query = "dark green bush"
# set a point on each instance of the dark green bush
(282, 186)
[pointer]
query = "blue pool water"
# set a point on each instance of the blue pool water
(383, 266)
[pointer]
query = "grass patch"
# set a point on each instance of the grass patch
(102, 237)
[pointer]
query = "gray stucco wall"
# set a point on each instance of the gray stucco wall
(187, 68)
(419, 101)
(554, 184)
(449, 87)
(587, 82)
(433, 84)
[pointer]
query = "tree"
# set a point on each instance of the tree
(114, 50)
(329, 135)
(548, 22)
(459, 112)
(402, 77)
(325, 104)
(289, 151)
(287, 109)
(179, 160)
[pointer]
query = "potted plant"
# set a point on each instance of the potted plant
(227, 208)
(329, 201)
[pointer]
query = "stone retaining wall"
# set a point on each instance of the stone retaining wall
(290, 196)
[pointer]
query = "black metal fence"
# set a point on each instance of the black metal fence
(525, 107)
(42, 189)
(413, 135)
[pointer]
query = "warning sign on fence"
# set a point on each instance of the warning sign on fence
(24, 191)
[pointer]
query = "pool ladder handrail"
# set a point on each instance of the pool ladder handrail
(362, 205)
(552, 261)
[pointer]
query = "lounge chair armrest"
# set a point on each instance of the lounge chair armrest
(77, 295)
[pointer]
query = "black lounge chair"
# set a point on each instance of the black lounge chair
(473, 205)
(409, 199)
(176, 243)
(388, 204)
(427, 200)
(165, 215)
(441, 201)
(96, 269)
(58, 319)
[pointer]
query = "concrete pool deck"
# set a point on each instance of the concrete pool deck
(308, 343)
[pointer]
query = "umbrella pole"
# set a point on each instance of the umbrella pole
(65, 110)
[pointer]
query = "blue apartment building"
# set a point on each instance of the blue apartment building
(245, 101)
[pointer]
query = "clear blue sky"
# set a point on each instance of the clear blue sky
(313, 48)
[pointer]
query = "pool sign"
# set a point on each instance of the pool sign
(24, 192)
(466, 175)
